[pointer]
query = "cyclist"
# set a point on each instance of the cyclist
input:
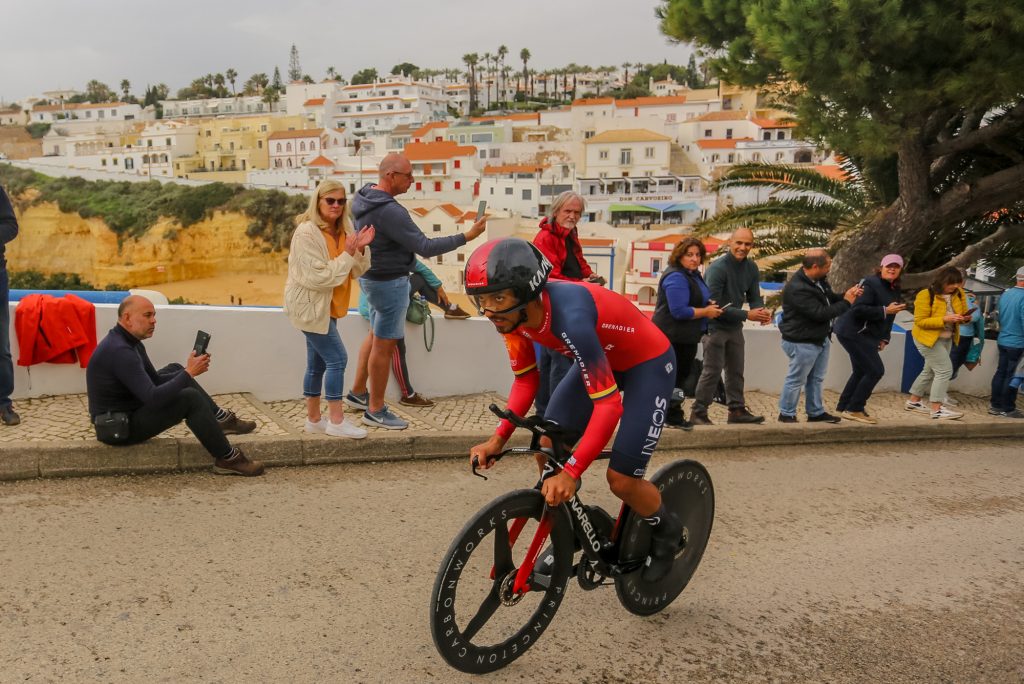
(624, 368)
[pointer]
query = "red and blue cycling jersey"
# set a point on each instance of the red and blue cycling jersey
(604, 333)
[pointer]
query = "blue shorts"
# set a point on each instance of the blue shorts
(389, 300)
(646, 389)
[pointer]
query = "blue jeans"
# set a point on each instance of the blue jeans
(389, 300)
(807, 366)
(6, 364)
(325, 355)
(1004, 397)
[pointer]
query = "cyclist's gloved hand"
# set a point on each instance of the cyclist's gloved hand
(482, 455)
(559, 488)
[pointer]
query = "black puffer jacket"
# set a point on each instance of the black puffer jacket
(867, 316)
(808, 309)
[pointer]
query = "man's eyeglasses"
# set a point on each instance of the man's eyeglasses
(331, 201)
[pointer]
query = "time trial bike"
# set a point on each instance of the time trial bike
(496, 591)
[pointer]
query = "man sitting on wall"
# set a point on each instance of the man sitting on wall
(130, 401)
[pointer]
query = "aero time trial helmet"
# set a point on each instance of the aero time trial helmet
(507, 264)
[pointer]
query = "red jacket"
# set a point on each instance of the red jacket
(55, 330)
(551, 241)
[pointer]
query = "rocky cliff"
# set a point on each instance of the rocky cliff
(52, 241)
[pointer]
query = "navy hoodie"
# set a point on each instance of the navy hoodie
(398, 239)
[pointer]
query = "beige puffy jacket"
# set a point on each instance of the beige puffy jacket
(312, 277)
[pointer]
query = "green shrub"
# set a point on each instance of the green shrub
(34, 280)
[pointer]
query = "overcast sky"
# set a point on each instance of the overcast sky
(52, 44)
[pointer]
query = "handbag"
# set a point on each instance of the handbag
(418, 311)
(112, 427)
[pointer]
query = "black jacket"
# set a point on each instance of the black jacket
(680, 331)
(808, 309)
(867, 316)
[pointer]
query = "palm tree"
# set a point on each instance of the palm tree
(470, 60)
(500, 63)
(218, 81)
(802, 209)
(525, 55)
(231, 75)
(625, 67)
(332, 73)
(125, 88)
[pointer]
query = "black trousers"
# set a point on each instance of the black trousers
(193, 405)
(868, 369)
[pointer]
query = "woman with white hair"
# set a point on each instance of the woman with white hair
(326, 253)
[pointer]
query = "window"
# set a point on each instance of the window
(359, 108)
(731, 158)
(602, 174)
(149, 143)
(458, 163)
(483, 154)
(649, 153)
(419, 186)
(391, 106)
(779, 156)
(492, 191)
(481, 137)
(590, 113)
(655, 265)
(508, 191)
(208, 132)
(437, 186)
(527, 194)
(707, 132)
(302, 146)
(288, 147)
(495, 152)
(715, 158)
(129, 163)
(588, 134)
(440, 260)
(602, 154)
(461, 257)
(767, 135)
(458, 185)
(115, 161)
(394, 92)
(728, 134)
(259, 144)
(103, 162)
(757, 156)
(625, 156)
(437, 227)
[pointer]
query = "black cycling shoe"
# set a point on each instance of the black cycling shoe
(665, 540)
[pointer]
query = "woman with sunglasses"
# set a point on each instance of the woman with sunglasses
(326, 253)
(864, 332)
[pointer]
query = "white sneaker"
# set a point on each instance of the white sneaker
(345, 429)
(950, 401)
(317, 428)
(946, 414)
(916, 406)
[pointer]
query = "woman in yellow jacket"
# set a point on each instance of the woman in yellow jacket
(326, 253)
(938, 312)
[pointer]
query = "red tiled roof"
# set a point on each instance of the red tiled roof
(314, 102)
(590, 101)
(426, 128)
(320, 161)
(77, 105)
(527, 116)
(596, 242)
(514, 168)
(716, 144)
(772, 123)
(441, 149)
(651, 101)
(304, 133)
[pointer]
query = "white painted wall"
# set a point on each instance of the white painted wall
(256, 350)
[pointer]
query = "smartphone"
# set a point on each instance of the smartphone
(726, 306)
(202, 342)
(481, 209)
(970, 312)
(861, 283)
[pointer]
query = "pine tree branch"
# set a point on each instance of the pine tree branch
(1008, 232)
(1011, 122)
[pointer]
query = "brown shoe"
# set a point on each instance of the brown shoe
(456, 312)
(415, 399)
(742, 415)
(233, 425)
(237, 464)
(699, 416)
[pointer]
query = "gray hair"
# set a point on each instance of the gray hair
(561, 201)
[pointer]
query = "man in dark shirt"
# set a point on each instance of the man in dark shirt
(8, 231)
(121, 379)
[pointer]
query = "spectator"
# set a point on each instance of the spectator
(130, 401)
(808, 308)
(1011, 349)
(386, 282)
(325, 253)
(864, 331)
(938, 312)
(428, 285)
(732, 279)
(559, 240)
(8, 231)
(682, 312)
(967, 351)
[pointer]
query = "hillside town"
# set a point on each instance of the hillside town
(643, 164)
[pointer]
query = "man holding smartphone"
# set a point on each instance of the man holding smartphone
(125, 389)
(734, 279)
(386, 283)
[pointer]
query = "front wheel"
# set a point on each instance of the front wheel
(478, 622)
(686, 490)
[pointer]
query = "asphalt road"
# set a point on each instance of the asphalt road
(880, 563)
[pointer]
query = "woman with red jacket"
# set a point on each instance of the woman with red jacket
(559, 241)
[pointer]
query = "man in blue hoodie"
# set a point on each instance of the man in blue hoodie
(386, 283)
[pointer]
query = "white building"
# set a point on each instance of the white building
(380, 107)
(443, 171)
(514, 188)
(104, 111)
(240, 105)
(292, 149)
